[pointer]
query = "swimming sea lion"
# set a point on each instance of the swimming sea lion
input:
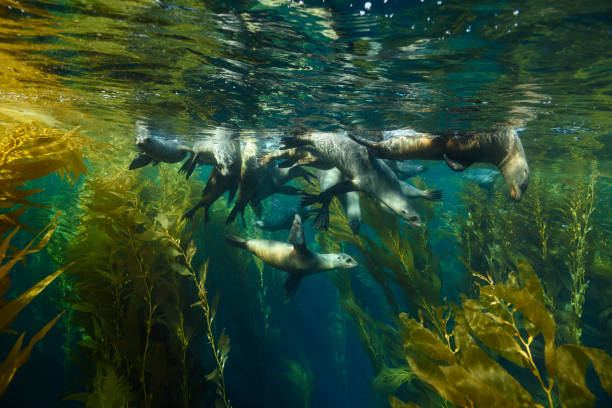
(484, 177)
(349, 201)
(363, 172)
(250, 172)
(156, 150)
(216, 185)
(502, 148)
(272, 180)
(295, 157)
(405, 168)
(222, 150)
(293, 257)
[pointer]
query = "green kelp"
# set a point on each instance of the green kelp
(133, 303)
(399, 262)
(507, 323)
(559, 228)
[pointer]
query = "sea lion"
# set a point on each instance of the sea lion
(349, 201)
(155, 150)
(272, 180)
(405, 168)
(282, 220)
(216, 185)
(293, 257)
(501, 147)
(250, 172)
(484, 177)
(222, 150)
(363, 172)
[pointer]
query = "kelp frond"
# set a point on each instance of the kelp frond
(505, 321)
(9, 310)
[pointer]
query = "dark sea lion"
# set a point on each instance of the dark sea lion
(502, 148)
(349, 201)
(272, 180)
(155, 150)
(363, 172)
(216, 185)
(293, 257)
(295, 157)
(221, 150)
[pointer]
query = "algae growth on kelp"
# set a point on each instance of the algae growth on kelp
(111, 297)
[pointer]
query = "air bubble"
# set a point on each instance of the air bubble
(516, 12)
(367, 5)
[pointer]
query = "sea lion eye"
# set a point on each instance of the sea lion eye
(414, 218)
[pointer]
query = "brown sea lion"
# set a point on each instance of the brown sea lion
(293, 257)
(502, 148)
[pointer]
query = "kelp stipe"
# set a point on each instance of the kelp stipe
(504, 322)
(133, 304)
(559, 227)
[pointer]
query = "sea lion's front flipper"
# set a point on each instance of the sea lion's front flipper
(140, 161)
(296, 234)
(456, 164)
(322, 219)
(291, 285)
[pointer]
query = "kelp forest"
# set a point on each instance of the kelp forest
(111, 297)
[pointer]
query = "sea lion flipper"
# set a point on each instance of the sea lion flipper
(291, 285)
(456, 164)
(296, 234)
(140, 161)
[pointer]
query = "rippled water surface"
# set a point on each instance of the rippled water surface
(185, 67)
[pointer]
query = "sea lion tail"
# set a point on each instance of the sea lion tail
(435, 195)
(236, 242)
(291, 142)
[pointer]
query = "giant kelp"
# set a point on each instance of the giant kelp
(508, 321)
(556, 229)
(139, 333)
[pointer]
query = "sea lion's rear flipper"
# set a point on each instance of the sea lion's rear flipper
(140, 161)
(456, 164)
(296, 234)
(291, 285)
(237, 242)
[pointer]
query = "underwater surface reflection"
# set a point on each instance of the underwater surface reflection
(154, 155)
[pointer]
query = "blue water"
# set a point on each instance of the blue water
(266, 68)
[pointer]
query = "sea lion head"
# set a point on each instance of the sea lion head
(404, 209)
(342, 260)
(515, 169)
